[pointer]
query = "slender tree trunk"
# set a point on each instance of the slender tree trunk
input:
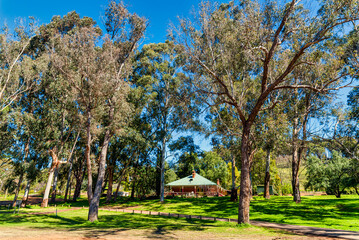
(45, 199)
(71, 164)
(79, 180)
(104, 183)
(163, 158)
(95, 202)
(267, 176)
(234, 194)
(70, 189)
(22, 173)
(18, 189)
(26, 194)
(117, 190)
(133, 189)
(119, 183)
(110, 182)
(245, 186)
(53, 195)
(68, 182)
(88, 159)
(77, 190)
(295, 175)
(158, 175)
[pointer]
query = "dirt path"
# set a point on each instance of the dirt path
(23, 233)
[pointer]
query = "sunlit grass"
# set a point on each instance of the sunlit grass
(317, 211)
(77, 220)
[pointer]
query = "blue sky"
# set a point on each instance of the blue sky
(159, 12)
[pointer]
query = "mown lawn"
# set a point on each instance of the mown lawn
(317, 211)
(76, 220)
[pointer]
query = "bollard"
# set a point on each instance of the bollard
(56, 212)
(214, 219)
(229, 220)
(200, 217)
(133, 211)
(149, 212)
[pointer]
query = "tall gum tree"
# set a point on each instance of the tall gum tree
(169, 105)
(97, 67)
(240, 54)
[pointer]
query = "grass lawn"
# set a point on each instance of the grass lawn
(111, 223)
(316, 211)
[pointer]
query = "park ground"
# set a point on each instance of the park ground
(318, 211)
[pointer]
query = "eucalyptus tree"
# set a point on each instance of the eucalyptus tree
(19, 68)
(22, 66)
(241, 54)
(187, 154)
(170, 108)
(96, 67)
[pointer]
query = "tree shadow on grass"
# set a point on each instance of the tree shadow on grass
(109, 223)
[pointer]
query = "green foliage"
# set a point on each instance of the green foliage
(170, 175)
(258, 170)
(213, 167)
(329, 173)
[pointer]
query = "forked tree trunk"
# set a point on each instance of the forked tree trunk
(95, 201)
(266, 193)
(18, 189)
(245, 186)
(26, 194)
(45, 199)
(234, 193)
(53, 194)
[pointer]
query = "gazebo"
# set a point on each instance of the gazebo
(195, 185)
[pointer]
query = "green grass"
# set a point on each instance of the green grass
(76, 220)
(316, 211)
